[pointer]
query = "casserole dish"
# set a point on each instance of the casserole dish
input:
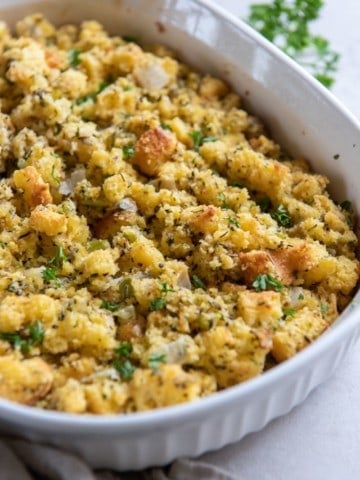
(276, 90)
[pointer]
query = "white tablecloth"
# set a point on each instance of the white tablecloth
(320, 439)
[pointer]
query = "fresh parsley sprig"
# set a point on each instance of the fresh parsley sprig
(265, 281)
(34, 336)
(286, 24)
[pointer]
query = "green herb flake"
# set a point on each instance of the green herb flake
(165, 288)
(223, 202)
(125, 368)
(128, 151)
(324, 308)
(197, 282)
(288, 312)
(286, 24)
(92, 96)
(234, 222)
(49, 274)
(196, 137)
(209, 139)
(36, 332)
(165, 126)
(74, 57)
(124, 349)
(112, 307)
(59, 259)
(157, 303)
(35, 336)
(282, 216)
(156, 360)
(265, 281)
(336, 157)
(199, 139)
(301, 296)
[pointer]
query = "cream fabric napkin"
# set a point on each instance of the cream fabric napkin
(22, 460)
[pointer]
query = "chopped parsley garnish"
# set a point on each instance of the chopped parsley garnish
(156, 360)
(112, 307)
(224, 204)
(265, 281)
(301, 296)
(124, 349)
(125, 368)
(157, 303)
(49, 274)
(165, 126)
(336, 157)
(197, 282)
(286, 24)
(264, 204)
(128, 151)
(165, 288)
(35, 336)
(36, 332)
(199, 139)
(123, 364)
(92, 96)
(2, 244)
(289, 312)
(233, 221)
(58, 260)
(324, 308)
(74, 57)
(282, 216)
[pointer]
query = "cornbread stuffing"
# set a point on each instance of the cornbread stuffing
(155, 245)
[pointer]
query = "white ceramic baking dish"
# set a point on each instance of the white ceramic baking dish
(302, 115)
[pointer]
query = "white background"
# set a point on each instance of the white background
(320, 439)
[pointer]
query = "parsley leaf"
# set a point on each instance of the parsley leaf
(112, 307)
(233, 221)
(125, 368)
(286, 24)
(123, 364)
(124, 349)
(224, 204)
(74, 57)
(35, 337)
(282, 216)
(265, 281)
(92, 96)
(156, 360)
(58, 260)
(49, 274)
(165, 288)
(157, 303)
(199, 139)
(197, 282)
(36, 332)
(288, 312)
(128, 151)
